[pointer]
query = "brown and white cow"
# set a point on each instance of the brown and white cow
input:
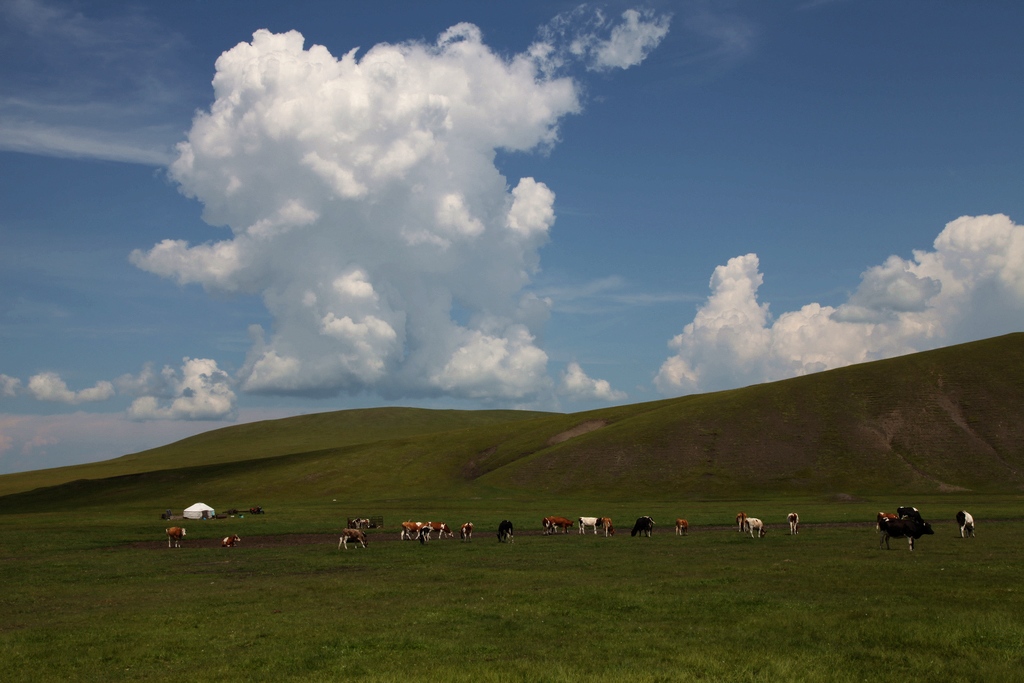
(440, 528)
(175, 534)
(230, 541)
(466, 532)
(606, 524)
(883, 515)
(682, 526)
(354, 535)
(411, 530)
(741, 522)
(754, 524)
(794, 523)
(552, 524)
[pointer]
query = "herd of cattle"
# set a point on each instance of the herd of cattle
(906, 523)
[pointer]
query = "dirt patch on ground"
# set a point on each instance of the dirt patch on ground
(577, 431)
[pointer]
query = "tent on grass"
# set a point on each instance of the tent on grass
(199, 511)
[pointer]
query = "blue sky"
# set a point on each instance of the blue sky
(206, 219)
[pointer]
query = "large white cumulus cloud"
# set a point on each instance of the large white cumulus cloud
(971, 285)
(365, 206)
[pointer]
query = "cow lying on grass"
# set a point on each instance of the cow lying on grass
(230, 541)
(354, 535)
(175, 534)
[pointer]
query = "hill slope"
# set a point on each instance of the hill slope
(942, 420)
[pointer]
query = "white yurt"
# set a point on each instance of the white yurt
(199, 511)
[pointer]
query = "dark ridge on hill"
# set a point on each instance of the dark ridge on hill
(942, 420)
(931, 422)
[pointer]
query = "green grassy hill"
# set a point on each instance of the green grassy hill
(943, 420)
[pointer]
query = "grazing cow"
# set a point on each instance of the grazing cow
(794, 523)
(230, 541)
(966, 522)
(410, 530)
(754, 524)
(588, 521)
(909, 513)
(741, 522)
(354, 535)
(258, 510)
(606, 524)
(644, 526)
(881, 516)
(553, 524)
(682, 527)
(908, 528)
(440, 527)
(175, 534)
(466, 532)
(505, 532)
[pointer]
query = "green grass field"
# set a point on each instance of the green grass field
(97, 595)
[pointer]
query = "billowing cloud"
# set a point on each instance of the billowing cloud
(365, 207)
(577, 385)
(48, 386)
(9, 386)
(198, 391)
(970, 286)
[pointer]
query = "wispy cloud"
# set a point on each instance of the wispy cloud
(606, 295)
(89, 87)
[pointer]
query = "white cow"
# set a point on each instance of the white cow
(794, 523)
(589, 521)
(754, 524)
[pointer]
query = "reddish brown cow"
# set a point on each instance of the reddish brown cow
(411, 530)
(466, 532)
(175, 534)
(681, 527)
(230, 541)
(741, 522)
(354, 535)
(552, 524)
(606, 524)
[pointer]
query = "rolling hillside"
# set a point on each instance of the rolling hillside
(943, 420)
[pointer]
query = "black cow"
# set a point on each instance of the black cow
(908, 528)
(644, 525)
(505, 532)
(909, 513)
